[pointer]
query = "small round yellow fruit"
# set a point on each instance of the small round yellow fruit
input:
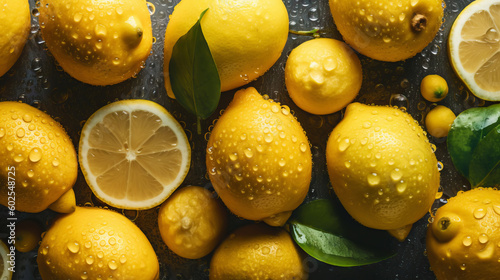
(323, 75)
(382, 167)
(388, 30)
(38, 157)
(92, 243)
(5, 273)
(15, 17)
(434, 88)
(258, 159)
(439, 120)
(192, 222)
(258, 251)
(464, 236)
(246, 37)
(98, 42)
(28, 234)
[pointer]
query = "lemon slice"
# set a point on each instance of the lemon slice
(5, 274)
(133, 154)
(474, 48)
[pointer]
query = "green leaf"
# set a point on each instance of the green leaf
(324, 230)
(468, 129)
(485, 164)
(193, 73)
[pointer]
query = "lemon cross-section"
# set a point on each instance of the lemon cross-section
(133, 154)
(474, 48)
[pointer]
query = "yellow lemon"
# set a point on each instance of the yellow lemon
(65, 204)
(388, 30)
(434, 88)
(382, 167)
(15, 18)
(192, 222)
(28, 234)
(258, 159)
(323, 75)
(5, 273)
(38, 158)
(473, 48)
(99, 42)
(93, 243)
(133, 154)
(463, 241)
(246, 37)
(258, 251)
(439, 120)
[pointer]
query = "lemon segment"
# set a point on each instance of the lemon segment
(133, 154)
(474, 48)
(5, 273)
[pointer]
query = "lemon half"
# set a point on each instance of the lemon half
(474, 48)
(133, 154)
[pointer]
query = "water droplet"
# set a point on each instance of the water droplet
(303, 147)
(440, 166)
(2, 132)
(77, 17)
(73, 247)
(399, 100)
(18, 158)
(373, 179)
(467, 241)
(89, 260)
(396, 174)
(401, 186)
(100, 254)
(55, 162)
(347, 164)
(112, 265)
(265, 250)
(20, 132)
(35, 155)
(233, 156)
(483, 238)
(344, 144)
(479, 213)
(367, 124)
(282, 162)
(31, 173)
(268, 138)
(248, 152)
(123, 259)
(463, 266)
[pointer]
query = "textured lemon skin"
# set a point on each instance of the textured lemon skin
(257, 251)
(382, 167)
(15, 17)
(468, 255)
(96, 243)
(246, 37)
(258, 158)
(44, 158)
(323, 75)
(192, 222)
(382, 29)
(92, 40)
(439, 120)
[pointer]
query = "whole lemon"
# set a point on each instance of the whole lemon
(38, 157)
(98, 42)
(258, 159)
(15, 18)
(382, 167)
(94, 243)
(463, 241)
(246, 37)
(258, 251)
(388, 30)
(192, 222)
(323, 75)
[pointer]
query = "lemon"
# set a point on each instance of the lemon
(15, 18)
(382, 167)
(323, 75)
(246, 37)
(388, 30)
(192, 222)
(258, 251)
(439, 120)
(5, 273)
(473, 48)
(65, 204)
(93, 243)
(133, 154)
(39, 155)
(28, 234)
(434, 88)
(463, 239)
(258, 159)
(99, 42)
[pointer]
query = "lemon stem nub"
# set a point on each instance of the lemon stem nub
(444, 223)
(418, 22)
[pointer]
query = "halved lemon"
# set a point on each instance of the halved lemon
(474, 48)
(133, 154)
(5, 273)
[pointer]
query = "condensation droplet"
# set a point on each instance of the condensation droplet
(35, 155)
(73, 247)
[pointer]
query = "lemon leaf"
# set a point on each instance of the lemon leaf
(485, 163)
(325, 231)
(193, 74)
(466, 132)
